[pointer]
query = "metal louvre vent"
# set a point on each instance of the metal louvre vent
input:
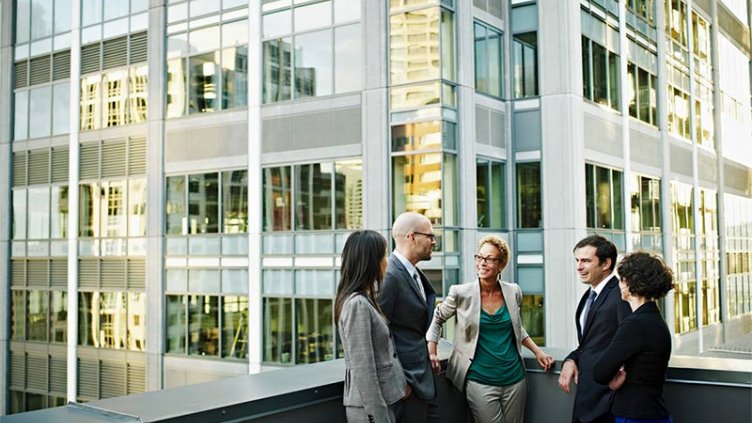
(89, 166)
(136, 273)
(136, 379)
(36, 372)
(38, 272)
(112, 273)
(88, 379)
(61, 65)
(90, 57)
(113, 158)
(18, 272)
(39, 167)
(137, 156)
(60, 159)
(58, 375)
(112, 380)
(17, 370)
(22, 74)
(19, 168)
(88, 273)
(39, 70)
(139, 48)
(115, 53)
(59, 273)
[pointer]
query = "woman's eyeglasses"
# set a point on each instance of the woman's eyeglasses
(488, 259)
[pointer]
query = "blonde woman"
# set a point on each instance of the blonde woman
(486, 361)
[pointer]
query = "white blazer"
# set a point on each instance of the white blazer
(464, 301)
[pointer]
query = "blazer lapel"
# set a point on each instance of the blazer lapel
(408, 279)
(599, 300)
(580, 307)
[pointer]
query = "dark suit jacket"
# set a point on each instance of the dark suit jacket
(643, 345)
(592, 398)
(409, 318)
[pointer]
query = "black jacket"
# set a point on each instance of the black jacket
(593, 399)
(643, 344)
(409, 318)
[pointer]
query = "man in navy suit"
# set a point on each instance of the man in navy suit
(407, 300)
(599, 314)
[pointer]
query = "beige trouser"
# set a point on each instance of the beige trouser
(497, 404)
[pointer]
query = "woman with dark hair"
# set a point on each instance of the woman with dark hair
(635, 363)
(374, 380)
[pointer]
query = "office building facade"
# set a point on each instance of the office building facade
(180, 175)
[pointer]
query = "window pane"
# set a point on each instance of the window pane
(19, 214)
(586, 85)
(498, 199)
(277, 330)
(113, 206)
(276, 24)
(347, 58)
(138, 93)
(313, 16)
(39, 213)
(60, 107)
(590, 195)
(618, 196)
(530, 68)
(529, 212)
(21, 115)
(415, 95)
(91, 102)
(18, 315)
(315, 330)
(613, 80)
(137, 207)
(495, 63)
(59, 316)
(176, 323)
(176, 90)
(112, 320)
(414, 46)
(346, 10)
(277, 85)
(235, 199)
(205, 39)
(600, 79)
(417, 136)
(449, 187)
(89, 210)
(59, 212)
(447, 45)
(416, 185)
(313, 64)
(481, 59)
(203, 203)
(204, 80)
(603, 198)
(204, 7)
(88, 325)
(348, 186)
(115, 9)
(41, 18)
(136, 337)
(313, 197)
(203, 315)
(40, 107)
(234, 77)
(115, 94)
(36, 315)
(277, 198)
(235, 33)
(235, 327)
(483, 193)
(91, 12)
(175, 208)
(23, 18)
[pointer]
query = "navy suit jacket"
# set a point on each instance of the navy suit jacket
(593, 399)
(409, 318)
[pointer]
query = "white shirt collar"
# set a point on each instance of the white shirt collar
(412, 270)
(598, 289)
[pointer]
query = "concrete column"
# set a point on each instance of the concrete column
(375, 116)
(624, 106)
(255, 190)
(6, 183)
(155, 325)
(73, 168)
(563, 161)
(466, 175)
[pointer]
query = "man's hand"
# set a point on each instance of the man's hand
(618, 379)
(568, 372)
(434, 357)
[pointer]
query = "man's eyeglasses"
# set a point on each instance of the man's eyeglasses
(488, 259)
(432, 237)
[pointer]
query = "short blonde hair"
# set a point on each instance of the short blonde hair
(498, 243)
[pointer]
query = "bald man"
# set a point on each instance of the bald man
(407, 299)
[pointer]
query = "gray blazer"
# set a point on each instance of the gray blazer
(409, 316)
(464, 302)
(373, 376)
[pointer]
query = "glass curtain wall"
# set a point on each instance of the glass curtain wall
(685, 291)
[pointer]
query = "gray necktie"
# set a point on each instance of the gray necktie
(588, 307)
(420, 285)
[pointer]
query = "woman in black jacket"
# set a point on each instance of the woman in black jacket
(635, 363)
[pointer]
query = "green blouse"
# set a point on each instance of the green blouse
(497, 361)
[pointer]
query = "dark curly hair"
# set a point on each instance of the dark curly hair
(646, 275)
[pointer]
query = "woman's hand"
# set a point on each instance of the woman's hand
(434, 357)
(408, 390)
(618, 380)
(545, 360)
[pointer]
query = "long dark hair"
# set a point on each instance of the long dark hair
(361, 267)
